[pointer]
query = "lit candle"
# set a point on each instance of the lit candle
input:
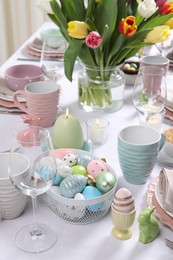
(154, 121)
(97, 130)
(67, 132)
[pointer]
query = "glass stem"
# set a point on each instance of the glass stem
(35, 231)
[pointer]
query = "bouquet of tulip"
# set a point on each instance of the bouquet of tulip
(104, 33)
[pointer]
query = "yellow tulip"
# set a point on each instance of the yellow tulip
(169, 23)
(97, 1)
(158, 34)
(77, 29)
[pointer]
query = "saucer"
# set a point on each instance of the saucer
(86, 147)
(165, 159)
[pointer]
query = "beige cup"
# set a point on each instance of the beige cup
(160, 61)
(42, 100)
(12, 201)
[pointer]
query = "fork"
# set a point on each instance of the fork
(169, 243)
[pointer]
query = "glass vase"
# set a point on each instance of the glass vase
(101, 90)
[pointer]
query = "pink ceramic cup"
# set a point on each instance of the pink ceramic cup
(42, 100)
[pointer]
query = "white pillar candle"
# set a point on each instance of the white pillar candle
(97, 130)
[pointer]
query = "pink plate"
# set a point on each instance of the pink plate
(33, 52)
(152, 201)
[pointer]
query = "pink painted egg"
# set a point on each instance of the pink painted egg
(95, 167)
(123, 201)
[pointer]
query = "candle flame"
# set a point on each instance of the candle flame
(67, 113)
(97, 122)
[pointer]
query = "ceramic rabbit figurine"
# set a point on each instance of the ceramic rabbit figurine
(148, 226)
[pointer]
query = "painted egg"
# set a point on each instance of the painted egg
(72, 185)
(95, 167)
(90, 180)
(123, 201)
(70, 160)
(91, 192)
(46, 173)
(79, 196)
(62, 152)
(105, 181)
(57, 180)
(79, 169)
(64, 170)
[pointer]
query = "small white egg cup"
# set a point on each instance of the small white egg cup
(122, 223)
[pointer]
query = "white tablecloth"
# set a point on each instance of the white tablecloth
(91, 241)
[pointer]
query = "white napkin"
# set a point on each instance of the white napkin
(166, 188)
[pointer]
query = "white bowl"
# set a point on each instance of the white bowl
(12, 201)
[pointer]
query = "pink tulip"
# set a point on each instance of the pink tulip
(93, 40)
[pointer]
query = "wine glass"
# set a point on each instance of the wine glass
(35, 143)
(51, 64)
(150, 92)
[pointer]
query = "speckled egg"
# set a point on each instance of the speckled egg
(95, 167)
(64, 170)
(123, 201)
(105, 181)
(70, 160)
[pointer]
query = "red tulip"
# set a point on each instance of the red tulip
(93, 40)
(160, 2)
(127, 26)
(166, 8)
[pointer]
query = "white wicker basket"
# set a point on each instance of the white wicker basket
(80, 211)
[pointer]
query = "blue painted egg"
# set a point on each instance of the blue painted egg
(91, 192)
(72, 185)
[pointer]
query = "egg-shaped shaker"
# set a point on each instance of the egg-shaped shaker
(123, 214)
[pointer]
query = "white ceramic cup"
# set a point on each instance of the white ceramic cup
(160, 61)
(42, 99)
(138, 148)
(12, 201)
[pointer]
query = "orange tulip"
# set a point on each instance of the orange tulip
(166, 8)
(127, 26)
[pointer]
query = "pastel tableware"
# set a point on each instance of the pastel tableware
(12, 201)
(138, 148)
(42, 99)
(123, 214)
(53, 37)
(18, 76)
(158, 61)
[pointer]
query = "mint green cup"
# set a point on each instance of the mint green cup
(138, 149)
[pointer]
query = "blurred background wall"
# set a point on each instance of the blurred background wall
(18, 20)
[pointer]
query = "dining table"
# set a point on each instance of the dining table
(93, 241)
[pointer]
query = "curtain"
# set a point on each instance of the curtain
(18, 20)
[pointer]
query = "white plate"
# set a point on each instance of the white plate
(10, 98)
(159, 199)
